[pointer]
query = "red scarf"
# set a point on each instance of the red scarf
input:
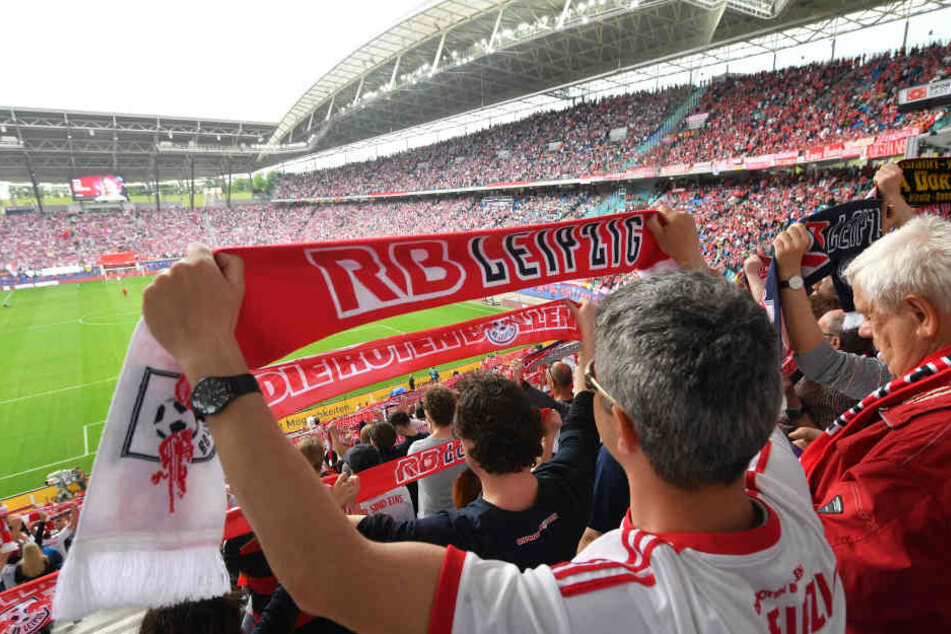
(934, 370)
(26, 609)
(294, 385)
(340, 285)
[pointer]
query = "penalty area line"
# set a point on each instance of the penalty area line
(86, 427)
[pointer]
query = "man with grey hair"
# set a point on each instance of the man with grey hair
(881, 477)
(684, 388)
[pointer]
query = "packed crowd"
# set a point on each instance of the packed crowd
(673, 491)
(665, 474)
(37, 241)
(749, 115)
(548, 145)
(801, 107)
(735, 216)
(35, 543)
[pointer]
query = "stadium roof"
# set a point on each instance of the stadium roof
(456, 56)
(59, 144)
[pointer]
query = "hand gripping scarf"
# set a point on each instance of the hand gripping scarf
(838, 235)
(154, 512)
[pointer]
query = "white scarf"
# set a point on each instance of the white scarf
(150, 529)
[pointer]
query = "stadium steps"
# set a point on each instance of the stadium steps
(670, 124)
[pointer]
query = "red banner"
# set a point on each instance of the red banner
(378, 480)
(786, 159)
(758, 162)
(125, 258)
(833, 150)
(292, 386)
(673, 170)
(899, 134)
(375, 481)
(883, 149)
(340, 285)
(26, 609)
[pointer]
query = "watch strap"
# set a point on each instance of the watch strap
(786, 283)
(242, 384)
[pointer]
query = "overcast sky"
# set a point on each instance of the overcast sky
(234, 59)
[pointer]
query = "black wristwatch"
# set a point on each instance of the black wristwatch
(213, 393)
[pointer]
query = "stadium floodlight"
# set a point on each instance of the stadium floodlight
(3, 129)
(92, 133)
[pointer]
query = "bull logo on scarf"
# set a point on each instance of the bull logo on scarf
(26, 617)
(163, 430)
(502, 332)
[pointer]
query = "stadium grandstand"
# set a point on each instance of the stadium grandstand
(402, 288)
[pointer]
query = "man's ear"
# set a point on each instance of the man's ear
(627, 439)
(835, 342)
(926, 316)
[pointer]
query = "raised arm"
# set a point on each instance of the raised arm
(801, 327)
(192, 310)
(888, 182)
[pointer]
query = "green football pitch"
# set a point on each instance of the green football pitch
(61, 350)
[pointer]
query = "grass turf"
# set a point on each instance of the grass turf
(61, 350)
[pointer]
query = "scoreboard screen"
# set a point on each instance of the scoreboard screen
(99, 188)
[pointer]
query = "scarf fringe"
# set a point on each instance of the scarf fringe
(101, 580)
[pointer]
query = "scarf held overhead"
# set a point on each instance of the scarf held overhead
(154, 512)
(291, 386)
(356, 282)
(838, 235)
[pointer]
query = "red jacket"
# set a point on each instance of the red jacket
(883, 493)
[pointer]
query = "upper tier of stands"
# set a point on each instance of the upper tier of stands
(749, 115)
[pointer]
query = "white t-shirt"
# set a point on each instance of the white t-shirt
(396, 503)
(778, 578)
(58, 540)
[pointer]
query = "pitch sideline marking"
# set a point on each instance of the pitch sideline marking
(45, 466)
(62, 389)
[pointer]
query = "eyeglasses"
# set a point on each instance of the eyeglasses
(591, 382)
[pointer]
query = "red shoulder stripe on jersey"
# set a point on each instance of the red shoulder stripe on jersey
(444, 605)
(763, 458)
(593, 565)
(592, 585)
(760, 467)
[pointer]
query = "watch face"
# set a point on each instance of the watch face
(795, 282)
(210, 396)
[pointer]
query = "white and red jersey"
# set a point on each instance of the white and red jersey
(777, 578)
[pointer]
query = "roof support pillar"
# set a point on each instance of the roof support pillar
(356, 97)
(396, 68)
(495, 29)
(158, 188)
(330, 108)
(228, 167)
(442, 42)
(191, 183)
(36, 187)
(564, 14)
